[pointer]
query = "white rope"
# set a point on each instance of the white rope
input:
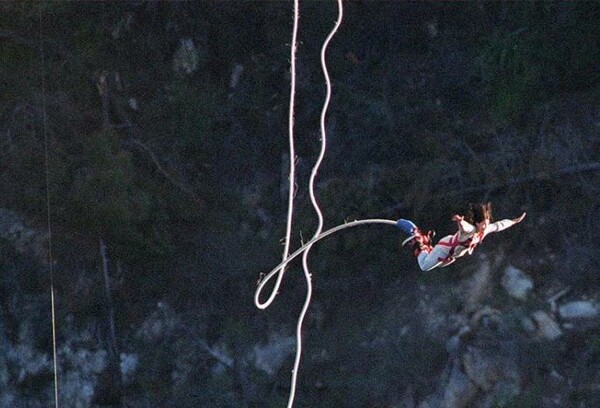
(314, 240)
(49, 216)
(292, 175)
(315, 204)
(279, 270)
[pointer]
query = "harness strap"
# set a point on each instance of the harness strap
(454, 242)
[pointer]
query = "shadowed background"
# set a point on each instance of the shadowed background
(166, 125)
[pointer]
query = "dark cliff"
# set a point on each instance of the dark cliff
(153, 137)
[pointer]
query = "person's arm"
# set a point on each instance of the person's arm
(464, 226)
(503, 224)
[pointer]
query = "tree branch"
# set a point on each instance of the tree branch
(565, 171)
(164, 172)
(108, 101)
(107, 292)
(217, 355)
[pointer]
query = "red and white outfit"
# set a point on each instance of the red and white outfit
(464, 242)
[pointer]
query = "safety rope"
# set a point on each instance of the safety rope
(48, 212)
(279, 270)
(314, 240)
(292, 156)
(314, 202)
(292, 189)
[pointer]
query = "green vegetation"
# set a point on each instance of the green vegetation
(536, 52)
(182, 174)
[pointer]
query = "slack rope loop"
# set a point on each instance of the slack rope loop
(309, 244)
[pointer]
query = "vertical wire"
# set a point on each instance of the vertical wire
(315, 204)
(292, 175)
(48, 213)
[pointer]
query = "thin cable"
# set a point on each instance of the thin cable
(48, 214)
(315, 204)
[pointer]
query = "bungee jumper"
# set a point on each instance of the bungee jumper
(472, 229)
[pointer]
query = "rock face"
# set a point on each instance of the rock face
(580, 309)
(26, 240)
(487, 370)
(457, 392)
(270, 357)
(547, 328)
(478, 286)
(516, 283)
(24, 363)
(185, 60)
(475, 374)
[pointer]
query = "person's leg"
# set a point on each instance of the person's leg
(434, 258)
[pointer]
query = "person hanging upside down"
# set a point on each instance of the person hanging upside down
(472, 229)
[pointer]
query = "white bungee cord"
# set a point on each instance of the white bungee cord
(279, 270)
(292, 182)
(315, 204)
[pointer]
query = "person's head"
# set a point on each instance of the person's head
(479, 215)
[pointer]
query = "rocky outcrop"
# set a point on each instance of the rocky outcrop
(269, 357)
(456, 390)
(477, 287)
(26, 239)
(516, 283)
(487, 369)
(186, 58)
(580, 309)
(476, 373)
(546, 327)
